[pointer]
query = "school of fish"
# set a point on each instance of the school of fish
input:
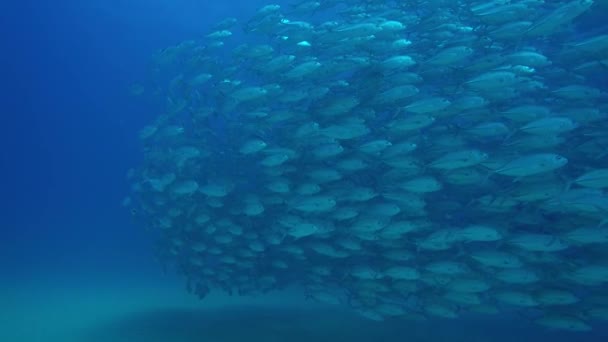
(409, 159)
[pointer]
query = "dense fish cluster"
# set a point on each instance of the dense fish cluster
(413, 159)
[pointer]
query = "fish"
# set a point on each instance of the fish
(596, 179)
(563, 322)
(252, 146)
(314, 203)
(403, 160)
(537, 242)
(532, 164)
(459, 159)
(549, 126)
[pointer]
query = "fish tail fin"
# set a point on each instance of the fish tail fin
(461, 251)
(567, 185)
(486, 178)
(508, 137)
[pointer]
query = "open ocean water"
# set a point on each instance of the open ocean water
(77, 266)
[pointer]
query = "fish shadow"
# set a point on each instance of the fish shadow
(252, 324)
(293, 324)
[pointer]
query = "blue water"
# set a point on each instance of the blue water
(71, 258)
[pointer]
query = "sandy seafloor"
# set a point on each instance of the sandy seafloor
(158, 309)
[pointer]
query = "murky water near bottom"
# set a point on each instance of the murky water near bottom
(139, 311)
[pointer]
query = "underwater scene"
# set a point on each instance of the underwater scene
(305, 170)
